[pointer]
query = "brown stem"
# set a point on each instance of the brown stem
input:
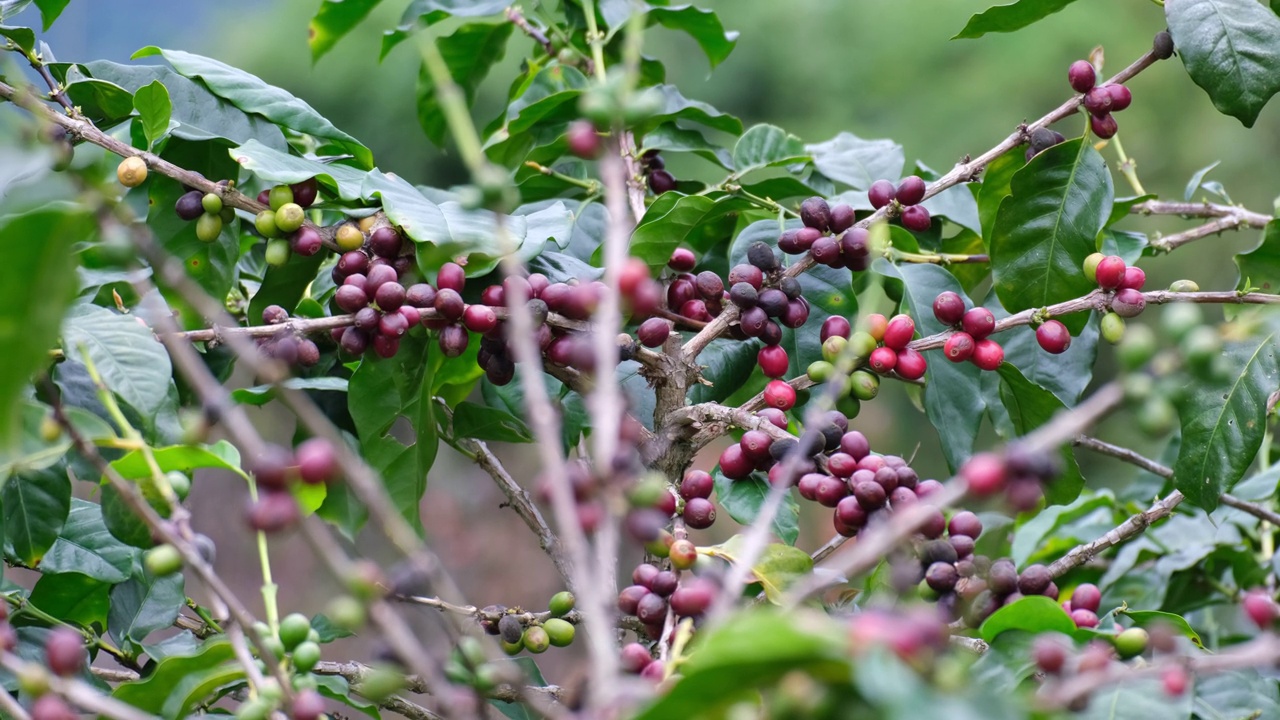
(519, 20)
(1207, 210)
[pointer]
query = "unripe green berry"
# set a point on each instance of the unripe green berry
(180, 483)
(1184, 286)
(346, 612)
(265, 223)
(661, 547)
(305, 682)
(561, 603)
(832, 347)
(294, 629)
(33, 679)
(849, 406)
(275, 646)
(208, 228)
(559, 632)
(379, 684)
(821, 371)
(647, 492)
(270, 689)
(1112, 328)
(1091, 266)
(257, 709)
(228, 214)
(305, 656)
(861, 344)
(1132, 642)
(512, 648)
(290, 217)
(162, 560)
(1156, 416)
(1138, 346)
(280, 196)
(1138, 386)
(865, 385)
(349, 238)
(212, 203)
(278, 252)
(536, 640)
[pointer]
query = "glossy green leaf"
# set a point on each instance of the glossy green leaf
(23, 37)
(857, 163)
(423, 13)
(1139, 699)
(333, 21)
(133, 365)
(123, 524)
(263, 394)
(995, 188)
(726, 365)
(50, 10)
(35, 507)
(1047, 525)
(154, 110)
(335, 687)
(144, 604)
(702, 25)
(72, 597)
(1030, 406)
(674, 220)
(469, 53)
(285, 285)
(252, 95)
(1046, 228)
(481, 422)
(675, 106)
(37, 284)
(327, 631)
(86, 546)
(1037, 614)
(30, 452)
(197, 114)
(671, 138)
(1011, 17)
(168, 680)
(1260, 267)
(275, 166)
(1223, 420)
(1148, 618)
(764, 146)
(742, 499)
(1231, 49)
(103, 102)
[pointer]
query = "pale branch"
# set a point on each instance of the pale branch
(520, 502)
(1202, 210)
(635, 177)
(962, 172)
(1251, 508)
(575, 617)
(1169, 243)
(10, 708)
(355, 673)
(408, 709)
(1261, 652)
(518, 19)
(1130, 528)
(113, 675)
(76, 692)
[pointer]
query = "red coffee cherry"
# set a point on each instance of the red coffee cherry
(948, 307)
(910, 191)
(835, 326)
(883, 360)
(780, 395)
(959, 347)
(881, 193)
(1082, 76)
(1053, 337)
(978, 322)
(583, 140)
(1134, 278)
(899, 331)
(916, 217)
(734, 464)
(1087, 596)
(988, 355)
(985, 474)
(1120, 96)
(696, 484)
(1261, 608)
(773, 361)
(64, 650)
(682, 260)
(1104, 126)
(1128, 303)
(911, 364)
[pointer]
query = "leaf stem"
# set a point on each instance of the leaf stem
(591, 186)
(1128, 167)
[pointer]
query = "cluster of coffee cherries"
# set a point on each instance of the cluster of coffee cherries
(1020, 475)
(300, 643)
(286, 346)
(314, 462)
(1083, 605)
(1042, 139)
(1056, 655)
(828, 236)
(1124, 283)
(653, 590)
(206, 209)
(907, 196)
(971, 327)
(283, 224)
(370, 288)
(914, 634)
(65, 656)
(655, 172)
(1099, 100)
(535, 632)
(981, 586)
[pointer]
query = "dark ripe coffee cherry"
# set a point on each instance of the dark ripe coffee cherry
(453, 340)
(1043, 139)
(771, 334)
(52, 707)
(709, 285)
(64, 650)
(753, 320)
(963, 544)
(1120, 96)
(308, 353)
(1097, 101)
(385, 242)
(190, 205)
(826, 251)
(978, 323)
(807, 236)
(699, 513)
(871, 495)
(948, 307)
(479, 318)
(755, 445)
(693, 597)
(271, 468)
(761, 255)
(449, 305)
(353, 262)
(367, 318)
(390, 296)
(965, 523)
(306, 241)
(789, 242)
(305, 192)
(775, 416)
(393, 324)
(830, 491)
(744, 295)
(796, 314)
(911, 364)
(851, 512)
(1082, 76)
(317, 461)
(274, 315)
(635, 657)
(664, 583)
(1128, 303)
(386, 346)
(1003, 577)
(1049, 654)
(816, 213)
(653, 332)
(583, 140)
(451, 276)
(842, 218)
(679, 292)
(652, 608)
(1162, 46)
(378, 276)
(773, 361)
(1034, 580)
(274, 511)
(1054, 337)
(696, 484)
(987, 354)
(644, 574)
(778, 394)
(807, 484)
(881, 193)
(910, 191)
(1087, 596)
(734, 464)
(835, 326)
(883, 360)
(959, 347)
(354, 341)
(773, 301)
(855, 444)
(1104, 126)
(745, 273)
(696, 310)
(1109, 272)
(682, 260)
(511, 629)
(661, 181)
(942, 577)
(916, 217)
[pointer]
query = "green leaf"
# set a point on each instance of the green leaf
(1223, 420)
(50, 10)
(184, 458)
(995, 188)
(777, 568)
(30, 452)
(105, 103)
(285, 285)
(37, 284)
(764, 146)
(276, 166)
(423, 13)
(123, 524)
(169, 683)
(327, 631)
(35, 507)
(154, 110)
(857, 163)
(1037, 614)
(480, 422)
(263, 394)
(1048, 523)
(1260, 267)
(1147, 618)
(675, 106)
(198, 113)
(72, 597)
(144, 604)
(727, 364)
(1008, 18)
(24, 38)
(742, 500)
(702, 25)
(252, 95)
(133, 365)
(671, 138)
(1030, 406)
(1238, 694)
(332, 21)
(674, 220)
(469, 53)
(1231, 49)
(1138, 699)
(335, 687)
(86, 546)
(1046, 228)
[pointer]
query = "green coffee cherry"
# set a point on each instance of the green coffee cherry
(162, 560)
(1138, 386)
(270, 689)
(305, 682)
(265, 223)
(228, 214)
(33, 680)
(346, 612)
(1184, 286)
(275, 646)
(380, 683)
(512, 648)
(305, 656)
(536, 640)
(278, 252)
(294, 629)
(559, 632)
(561, 603)
(1138, 346)
(180, 483)
(821, 371)
(1112, 328)
(849, 406)
(832, 347)
(647, 492)
(212, 203)
(1157, 416)
(661, 547)
(861, 343)
(1179, 319)
(290, 217)
(1091, 266)
(865, 385)
(257, 709)
(208, 228)
(1131, 642)
(280, 196)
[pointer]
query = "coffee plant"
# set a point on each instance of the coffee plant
(183, 241)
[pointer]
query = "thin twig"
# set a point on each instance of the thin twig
(519, 20)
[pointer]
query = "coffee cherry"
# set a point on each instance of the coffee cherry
(942, 576)
(696, 484)
(1053, 337)
(899, 331)
(911, 364)
(780, 395)
(1128, 303)
(536, 640)
(289, 217)
(349, 238)
(959, 347)
(1134, 278)
(760, 255)
(583, 140)
(1049, 655)
(773, 361)
(693, 597)
(1112, 327)
(393, 324)
(132, 172)
(64, 651)
(1174, 678)
(665, 582)
(883, 360)
(274, 511)
(775, 416)
(910, 191)
(190, 205)
(560, 632)
(1083, 618)
(915, 217)
(1034, 580)
(454, 340)
(834, 326)
(987, 355)
(1120, 96)
(826, 251)
(661, 181)
(842, 218)
(734, 463)
(948, 307)
(652, 608)
(317, 461)
(1131, 642)
(865, 386)
(265, 223)
(1082, 76)
(162, 560)
(1087, 596)
(52, 707)
(816, 213)
(985, 474)
(965, 523)
(1162, 46)
(386, 242)
(746, 273)
(634, 658)
(1261, 608)
(1104, 126)
(881, 193)
(279, 196)
(1097, 101)
(294, 629)
(978, 323)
